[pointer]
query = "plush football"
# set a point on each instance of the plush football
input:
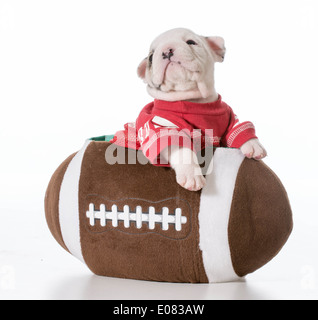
(134, 221)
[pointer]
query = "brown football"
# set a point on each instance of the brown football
(134, 221)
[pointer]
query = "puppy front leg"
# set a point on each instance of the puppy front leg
(254, 149)
(185, 163)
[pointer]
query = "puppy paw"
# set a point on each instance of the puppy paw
(254, 149)
(190, 179)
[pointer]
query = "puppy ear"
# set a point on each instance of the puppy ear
(141, 71)
(217, 46)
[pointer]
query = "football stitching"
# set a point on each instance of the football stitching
(151, 217)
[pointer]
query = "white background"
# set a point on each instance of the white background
(68, 72)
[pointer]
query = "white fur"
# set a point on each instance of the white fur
(185, 163)
(188, 74)
(254, 149)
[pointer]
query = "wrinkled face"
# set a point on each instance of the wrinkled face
(180, 61)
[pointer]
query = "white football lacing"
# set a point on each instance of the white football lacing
(139, 217)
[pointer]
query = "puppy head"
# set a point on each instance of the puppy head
(180, 65)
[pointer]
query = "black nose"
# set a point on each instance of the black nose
(168, 54)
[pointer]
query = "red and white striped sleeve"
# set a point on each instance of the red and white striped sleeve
(157, 134)
(238, 133)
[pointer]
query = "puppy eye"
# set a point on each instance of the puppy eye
(150, 58)
(191, 43)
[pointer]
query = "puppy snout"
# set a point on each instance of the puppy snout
(167, 54)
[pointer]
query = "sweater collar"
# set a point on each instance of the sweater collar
(190, 107)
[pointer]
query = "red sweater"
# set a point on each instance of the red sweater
(186, 124)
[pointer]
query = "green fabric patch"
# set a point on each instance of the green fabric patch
(106, 138)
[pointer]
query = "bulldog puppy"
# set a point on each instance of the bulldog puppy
(180, 67)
